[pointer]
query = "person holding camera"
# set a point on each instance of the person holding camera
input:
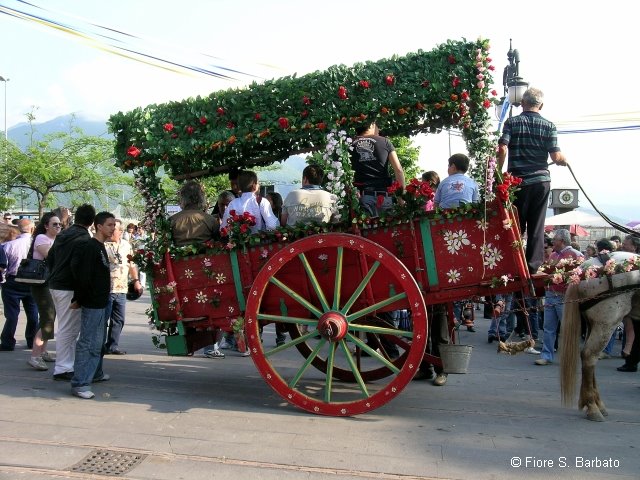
(118, 251)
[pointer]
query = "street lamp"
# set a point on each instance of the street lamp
(5, 80)
(513, 84)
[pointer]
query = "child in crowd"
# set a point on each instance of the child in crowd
(248, 202)
(457, 188)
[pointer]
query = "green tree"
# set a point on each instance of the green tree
(408, 155)
(73, 164)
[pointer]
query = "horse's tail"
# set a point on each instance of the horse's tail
(570, 347)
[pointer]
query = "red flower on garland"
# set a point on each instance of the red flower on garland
(455, 82)
(464, 95)
(174, 135)
(189, 129)
(384, 110)
(134, 151)
(220, 111)
(454, 97)
(502, 191)
(230, 125)
(451, 59)
(425, 84)
(494, 93)
(491, 67)
(402, 111)
(203, 120)
(168, 127)
(486, 103)
(306, 100)
(363, 84)
(231, 140)
(419, 106)
(389, 80)
(283, 122)
(321, 126)
(257, 116)
(304, 113)
(342, 92)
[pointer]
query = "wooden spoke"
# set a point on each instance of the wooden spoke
(372, 353)
(337, 287)
(375, 306)
(360, 288)
(314, 282)
(306, 364)
(306, 304)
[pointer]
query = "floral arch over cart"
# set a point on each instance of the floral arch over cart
(321, 284)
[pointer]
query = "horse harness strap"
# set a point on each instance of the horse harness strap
(592, 302)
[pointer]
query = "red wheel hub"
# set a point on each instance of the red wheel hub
(332, 326)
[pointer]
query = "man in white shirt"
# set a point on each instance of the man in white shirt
(248, 202)
(310, 203)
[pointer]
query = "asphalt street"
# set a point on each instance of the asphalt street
(162, 417)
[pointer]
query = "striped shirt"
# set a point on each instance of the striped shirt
(530, 138)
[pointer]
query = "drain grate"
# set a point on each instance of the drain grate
(106, 462)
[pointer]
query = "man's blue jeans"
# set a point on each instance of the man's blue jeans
(553, 308)
(88, 361)
(12, 294)
(499, 325)
(115, 318)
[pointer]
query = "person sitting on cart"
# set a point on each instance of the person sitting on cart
(370, 159)
(192, 224)
(259, 207)
(457, 188)
(310, 203)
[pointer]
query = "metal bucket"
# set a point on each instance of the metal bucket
(455, 358)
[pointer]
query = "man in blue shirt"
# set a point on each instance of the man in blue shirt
(457, 188)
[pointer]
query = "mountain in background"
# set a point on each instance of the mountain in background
(20, 133)
(288, 172)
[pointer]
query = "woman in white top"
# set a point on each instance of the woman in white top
(43, 237)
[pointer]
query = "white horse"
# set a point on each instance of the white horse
(603, 315)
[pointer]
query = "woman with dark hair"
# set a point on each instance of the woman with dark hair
(275, 199)
(43, 237)
(433, 179)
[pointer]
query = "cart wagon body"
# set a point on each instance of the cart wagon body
(335, 294)
(332, 291)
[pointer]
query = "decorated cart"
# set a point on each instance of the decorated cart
(334, 288)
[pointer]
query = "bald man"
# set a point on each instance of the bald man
(13, 292)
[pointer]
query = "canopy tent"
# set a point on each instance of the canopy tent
(573, 229)
(635, 225)
(576, 217)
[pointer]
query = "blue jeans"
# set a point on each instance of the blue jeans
(88, 361)
(115, 318)
(553, 308)
(370, 204)
(12, 294)
(612, 341)
(499, 325)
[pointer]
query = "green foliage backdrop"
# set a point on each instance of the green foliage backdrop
(447, 87)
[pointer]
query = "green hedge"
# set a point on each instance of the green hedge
(267, 122)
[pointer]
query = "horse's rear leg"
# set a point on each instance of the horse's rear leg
(589, 394)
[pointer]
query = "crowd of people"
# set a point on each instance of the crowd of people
(82, 298)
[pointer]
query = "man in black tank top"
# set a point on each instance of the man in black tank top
(370, 159)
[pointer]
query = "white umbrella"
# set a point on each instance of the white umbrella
(576, 217)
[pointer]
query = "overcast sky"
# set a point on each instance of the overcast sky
(583, 58)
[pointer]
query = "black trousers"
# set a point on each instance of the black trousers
(531, 202)
(634, 357)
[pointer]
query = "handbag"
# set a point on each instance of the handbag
(31, 271)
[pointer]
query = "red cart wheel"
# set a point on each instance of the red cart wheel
(337, 287)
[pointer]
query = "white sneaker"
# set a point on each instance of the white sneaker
(246, 353)
(85, 394)
(532, 351)
(214, 354)
(37, 363)
(47, 357)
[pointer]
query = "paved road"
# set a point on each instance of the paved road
(199, 418)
